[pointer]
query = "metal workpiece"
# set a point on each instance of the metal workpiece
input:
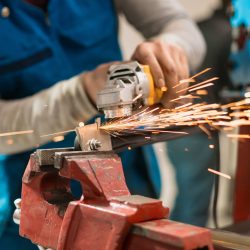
(127, 85)
(136, 139)
(92, 134)
(91, 137)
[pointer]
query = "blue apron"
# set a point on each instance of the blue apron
(36, 51)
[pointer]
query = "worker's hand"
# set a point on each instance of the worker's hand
(168, 64)
(95, 80)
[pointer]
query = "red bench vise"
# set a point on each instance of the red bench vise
(107, 216)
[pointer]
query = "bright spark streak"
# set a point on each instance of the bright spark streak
(137, 97)
(235, 104)
(238, 136)
(201, 73)
(201, 87)
(59, 133)
(17, 133)
(183, 82)
(58, 138)
(185, 97)
(219, 173)
(183, 106)
(202, 92)
(205, 130)
(191, 79)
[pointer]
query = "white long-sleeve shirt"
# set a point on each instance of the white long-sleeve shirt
(62, 106)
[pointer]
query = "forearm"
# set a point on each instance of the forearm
(56, 109)
(166, 20)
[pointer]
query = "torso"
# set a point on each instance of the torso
(41, 49)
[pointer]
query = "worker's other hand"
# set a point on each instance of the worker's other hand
(94, 81)
(168, 64)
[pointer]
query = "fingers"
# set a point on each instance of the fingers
(145, 55)
(168, 64)
(181, 63)
(167, 60)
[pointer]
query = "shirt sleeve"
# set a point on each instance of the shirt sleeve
(166, 20)
(53, 110)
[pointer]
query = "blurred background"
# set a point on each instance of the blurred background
(129, 39)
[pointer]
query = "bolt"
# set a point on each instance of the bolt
(94, 144)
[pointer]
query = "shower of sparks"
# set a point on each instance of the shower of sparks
(158, 120)
(192, 79)
(203, 115)
(24, 132)
(200, 85)
(219, 173)
(162, 120)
